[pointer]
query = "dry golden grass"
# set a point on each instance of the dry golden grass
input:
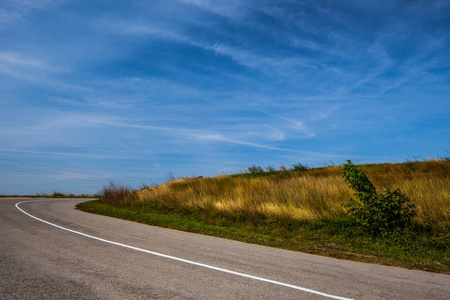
(426, 183)
(308, 196)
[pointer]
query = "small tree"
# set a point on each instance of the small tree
(379, 213)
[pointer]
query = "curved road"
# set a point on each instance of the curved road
(76, 255)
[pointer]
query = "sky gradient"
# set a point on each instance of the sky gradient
(128, 91)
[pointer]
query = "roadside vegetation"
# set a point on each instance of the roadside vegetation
(394, 214)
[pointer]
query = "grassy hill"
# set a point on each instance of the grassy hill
(300, 209)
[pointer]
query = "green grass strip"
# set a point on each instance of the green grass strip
(427, 250)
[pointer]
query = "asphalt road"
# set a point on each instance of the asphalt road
(41, 261)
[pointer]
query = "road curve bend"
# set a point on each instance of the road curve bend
(50, 250)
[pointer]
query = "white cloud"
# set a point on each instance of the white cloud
(17, 63)
(245, 57)
(17, 59)
(15, 10)
(299, 126)
(230, 8)
(65, 153)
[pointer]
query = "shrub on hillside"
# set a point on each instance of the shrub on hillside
(299, 167)
(255, 170)
(379, 213)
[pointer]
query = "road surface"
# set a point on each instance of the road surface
(77, 255)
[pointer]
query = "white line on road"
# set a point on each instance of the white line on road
(181, 259)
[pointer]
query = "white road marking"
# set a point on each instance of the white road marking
(181, 259)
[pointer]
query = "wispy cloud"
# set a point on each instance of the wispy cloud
(68, 154)
(231, 8)
(199, 85)
(221, 138)
(17, 64)
(16, 10)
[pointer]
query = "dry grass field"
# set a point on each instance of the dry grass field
(309, 195)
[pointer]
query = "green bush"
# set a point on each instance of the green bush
(378, 213)
(299, 167)
(255, 170)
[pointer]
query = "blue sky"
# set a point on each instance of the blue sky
(92, 91)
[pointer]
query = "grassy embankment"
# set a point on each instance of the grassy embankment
(299, 210)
